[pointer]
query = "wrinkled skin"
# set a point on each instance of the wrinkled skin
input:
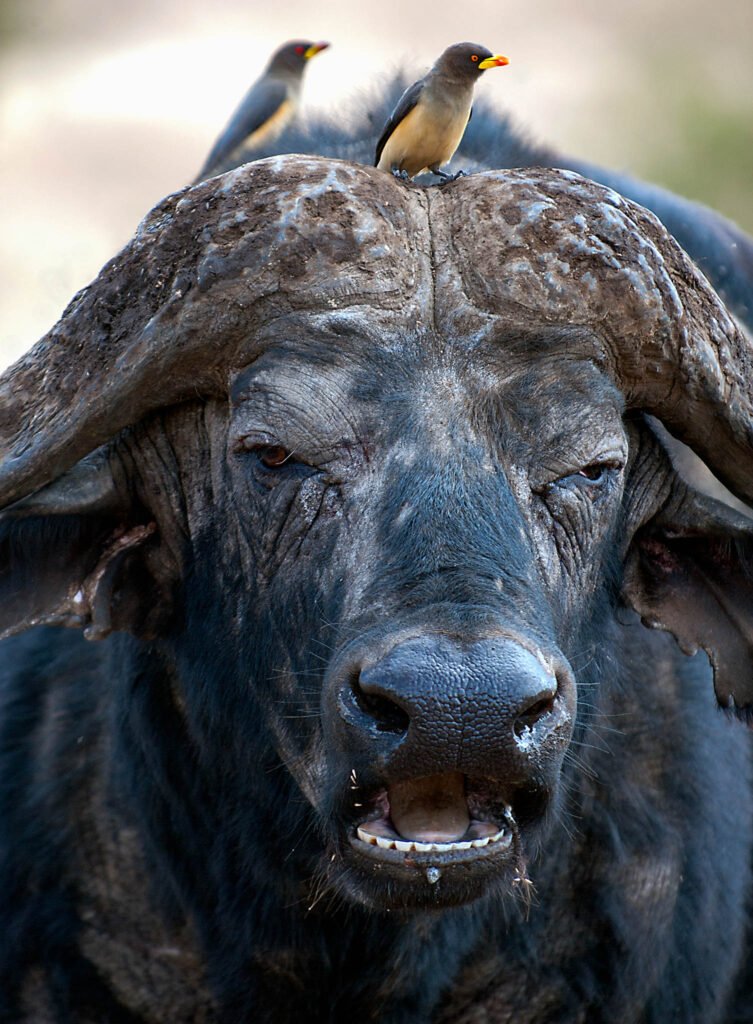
(424, 451)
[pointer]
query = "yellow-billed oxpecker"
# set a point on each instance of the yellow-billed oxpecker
(267, 107)
(426, 126)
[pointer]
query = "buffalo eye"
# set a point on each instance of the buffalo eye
(596, 472)
(269, 455)
(272, 455)
(589, 478)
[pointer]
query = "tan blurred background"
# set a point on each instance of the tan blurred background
(107, 106)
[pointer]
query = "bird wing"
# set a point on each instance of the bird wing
(405, 104)
(258, 106)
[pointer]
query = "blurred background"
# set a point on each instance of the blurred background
(105, 107)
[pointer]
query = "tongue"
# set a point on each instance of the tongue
(430, 810)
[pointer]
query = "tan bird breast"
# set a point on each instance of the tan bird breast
(268, 131)
(426, 137)
(273, 126)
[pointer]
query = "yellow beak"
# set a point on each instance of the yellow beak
(314, 49)
(497, 61)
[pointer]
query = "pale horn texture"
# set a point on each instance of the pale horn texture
(183, 304)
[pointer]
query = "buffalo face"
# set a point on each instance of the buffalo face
(467, 517)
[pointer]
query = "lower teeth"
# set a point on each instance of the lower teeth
(408, 845)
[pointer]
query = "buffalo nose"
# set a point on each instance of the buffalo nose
(489, 707)
(410, 683)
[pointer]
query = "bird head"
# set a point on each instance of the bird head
(294, 56)
(467, 60)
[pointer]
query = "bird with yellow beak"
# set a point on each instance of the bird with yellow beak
(426, 126)
(267, 107)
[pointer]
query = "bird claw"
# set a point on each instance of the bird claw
(400, 175)
(446, 178)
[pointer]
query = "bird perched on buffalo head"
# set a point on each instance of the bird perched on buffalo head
(426, 126)
(267, 107)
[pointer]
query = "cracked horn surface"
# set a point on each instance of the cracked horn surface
(180, 307)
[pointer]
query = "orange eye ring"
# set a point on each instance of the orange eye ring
(474, 58)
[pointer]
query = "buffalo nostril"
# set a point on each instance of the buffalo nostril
(386, 714)
(526, 720)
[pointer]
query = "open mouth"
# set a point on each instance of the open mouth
(438, 819)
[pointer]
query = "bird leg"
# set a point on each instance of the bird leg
(445, 177)
(402, 175)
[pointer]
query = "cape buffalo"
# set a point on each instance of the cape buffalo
(359, 488)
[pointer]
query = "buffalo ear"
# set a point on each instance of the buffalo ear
(74, 554)
(690, 571)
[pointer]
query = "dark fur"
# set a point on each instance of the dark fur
(55, 706)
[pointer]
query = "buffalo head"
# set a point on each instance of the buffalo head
(367, 473)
